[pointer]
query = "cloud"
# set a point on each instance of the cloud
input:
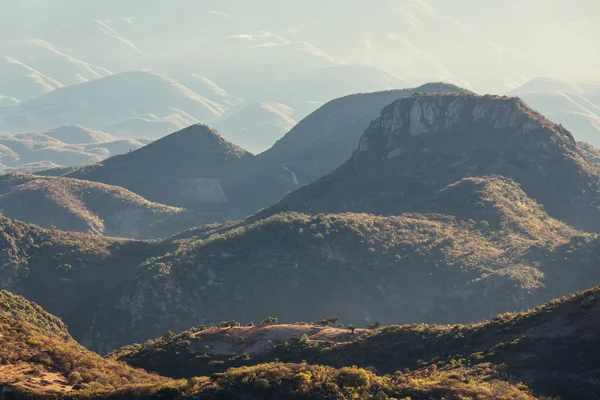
(219, 14)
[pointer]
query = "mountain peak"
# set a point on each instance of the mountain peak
(410, 119)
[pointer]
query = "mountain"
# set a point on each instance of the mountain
(333, 82)
(52, 61)
(81, 206)
(74, 134)
(421, 144)
(182, 169)
(151, 126)
(32, 151)
(316, 146)
(21, 81)
(525, 347)
(209, 89)
(103, 102)
(258, 126)
(576, 105)
(591, 153)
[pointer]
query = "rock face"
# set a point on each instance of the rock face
(423, 143)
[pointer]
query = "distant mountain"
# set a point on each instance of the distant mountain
(258, 126)
(19, 80)
(74, 134)
(329, 83)
(82, 206)
(52, 61)
(103, 102)
(182, 169)
(576, 105)
(32, 151)
(209, 89)
(421, 144)
(151, 126)
(8, 101)
(316, 146)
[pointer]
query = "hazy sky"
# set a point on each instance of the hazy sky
(483, 45)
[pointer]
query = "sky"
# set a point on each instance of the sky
(486, 46)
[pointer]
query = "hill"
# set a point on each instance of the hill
(82, 206)
(552, 349)
(316, 146)
(182, 169)
(32, 151)
(365, 268)
(421, 144)
(103, 102)
(74, 134)
(40, 360)
(258, 126)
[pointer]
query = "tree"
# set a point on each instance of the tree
(351, 328)
(270, 321)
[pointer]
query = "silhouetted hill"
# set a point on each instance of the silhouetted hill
(182, 169)
(421, 144)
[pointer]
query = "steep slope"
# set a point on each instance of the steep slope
(182, 169)
(82, 206)
(315, 147)
(258, 126)
(106, 101)
(421, 144)
(553, 349)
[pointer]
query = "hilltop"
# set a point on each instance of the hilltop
(423, 143)
(182, 169)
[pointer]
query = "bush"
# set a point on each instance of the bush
(269, 321)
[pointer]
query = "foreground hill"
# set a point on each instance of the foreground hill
(182, 169)
(553, 349)
(40, 360)
(84, 206)
(421, 144)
